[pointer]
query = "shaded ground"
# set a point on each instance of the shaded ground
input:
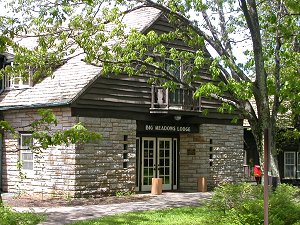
(27, 201)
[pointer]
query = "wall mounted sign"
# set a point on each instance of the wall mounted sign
(191, 151)
(168, 128)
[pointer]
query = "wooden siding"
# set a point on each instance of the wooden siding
(129, 94)
(120, 93)
(133, 94)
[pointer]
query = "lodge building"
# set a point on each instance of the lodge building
(148, 131)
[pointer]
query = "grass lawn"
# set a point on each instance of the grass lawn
(180, 216)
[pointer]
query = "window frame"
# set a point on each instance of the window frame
(294, 165)
(17, 82)
(25, 149)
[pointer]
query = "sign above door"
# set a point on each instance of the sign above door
(167, 127)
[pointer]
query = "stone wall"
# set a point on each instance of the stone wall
(54, 169)
(107, 166)
(216, 152)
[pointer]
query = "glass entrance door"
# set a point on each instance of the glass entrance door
(164, 161)
(148, 162)
(156, 162)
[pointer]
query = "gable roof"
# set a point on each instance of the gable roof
(72, 78)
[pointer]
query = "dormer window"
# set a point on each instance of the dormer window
(17, 82)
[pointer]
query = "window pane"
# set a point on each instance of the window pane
(146, 172)
(167, 144)
(26, 153)
(25, 141)
(27, 156)
(161, 162)
(167, 153)
(161, 144)
(146, 163)
(161, 153)
(146, 181)
(167, 162)
(173, 67)
(27, 165)
(151, 144)
(145, 144)
(151, 163)
(289, 159)
(289, 171)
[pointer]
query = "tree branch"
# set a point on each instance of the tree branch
(216, 44)
(167, 75)
(276, 102)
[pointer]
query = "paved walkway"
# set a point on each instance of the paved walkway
(65, 215)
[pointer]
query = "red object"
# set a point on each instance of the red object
(257, 171)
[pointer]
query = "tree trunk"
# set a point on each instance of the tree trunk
(258, 134)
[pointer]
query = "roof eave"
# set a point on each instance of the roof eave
(39, 105)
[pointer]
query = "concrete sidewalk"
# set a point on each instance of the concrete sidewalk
(66, 215)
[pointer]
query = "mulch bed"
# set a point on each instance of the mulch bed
(25, 201)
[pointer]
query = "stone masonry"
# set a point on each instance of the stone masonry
(54, 169)
(217, 154)
(106, 166)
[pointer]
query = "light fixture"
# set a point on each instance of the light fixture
(177, 118)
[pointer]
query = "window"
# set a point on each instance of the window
(173, 67)
(17, 81)
(26, 155)
(290, 164)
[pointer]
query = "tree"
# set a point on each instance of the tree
(269, 31)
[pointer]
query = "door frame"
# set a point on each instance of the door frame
(174, 141)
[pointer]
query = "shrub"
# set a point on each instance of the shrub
(10, 217)
(229, 196)
(243, 204)
(284, 204)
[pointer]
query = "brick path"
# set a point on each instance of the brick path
(65, 215)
